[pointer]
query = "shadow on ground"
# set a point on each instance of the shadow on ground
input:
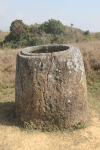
(7, 113)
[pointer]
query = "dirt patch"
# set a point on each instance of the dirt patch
(12, 138)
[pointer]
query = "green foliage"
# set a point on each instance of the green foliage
(1, 43)
(65, 34)
(33, 29)
(17, 28)
(48, 37)
(87, 32)
(61, 39)
(34, 41)
(52, 27)
(77, 40)
(9, 37)
(97, 35)
(45, 38)
(71, 25)
(22, 35)
(75, 32)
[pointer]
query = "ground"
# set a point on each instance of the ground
(12, 138)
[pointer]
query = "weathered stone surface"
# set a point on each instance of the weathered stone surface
(50, 85)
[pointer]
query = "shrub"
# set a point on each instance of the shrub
(45, 38)
(87, 32)
(77, 40)
(17, 29)
(16, 45)
(33, 29)
(71, 24)
(97, 35)
(65, 34)
(34, 41)
(22, 35)
(60, 39)
(52, 27)
(1, 43)
(12, 45)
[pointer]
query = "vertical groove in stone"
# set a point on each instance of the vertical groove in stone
(50, 85)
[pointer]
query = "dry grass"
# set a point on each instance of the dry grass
(90, 52)
(13, 137)
(8, 67)
(79, 34)
(2, 35)
(91, 55)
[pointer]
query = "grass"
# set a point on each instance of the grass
(2, 35)
(7, 104)
(94, 96)
(91, 54)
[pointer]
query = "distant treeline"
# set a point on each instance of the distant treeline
(49, 32)
(22, 35)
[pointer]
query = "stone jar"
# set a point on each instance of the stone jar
(50, 85)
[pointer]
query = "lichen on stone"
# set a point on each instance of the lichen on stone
(51, 85)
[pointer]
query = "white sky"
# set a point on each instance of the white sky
(84, 14)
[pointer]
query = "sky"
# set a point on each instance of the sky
(83, 14)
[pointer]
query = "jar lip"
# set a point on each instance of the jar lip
(40, 49)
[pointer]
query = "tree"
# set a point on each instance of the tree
(17, 28)
(33, 29)
(71, 25)
(87, 32)
(52, 27)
